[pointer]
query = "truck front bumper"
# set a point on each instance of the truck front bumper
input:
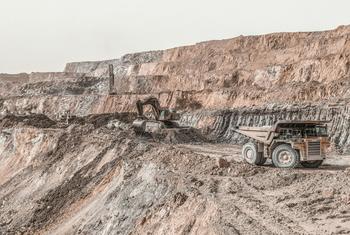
(312, 149)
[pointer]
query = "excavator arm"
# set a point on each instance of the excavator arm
(153, 102)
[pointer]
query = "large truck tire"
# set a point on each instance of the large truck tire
(251, 155)
(284, 156)
(312, 164)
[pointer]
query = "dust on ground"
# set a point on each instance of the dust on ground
(96, 176)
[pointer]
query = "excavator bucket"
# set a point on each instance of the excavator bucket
(149, 126)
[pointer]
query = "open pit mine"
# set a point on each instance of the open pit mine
(71, 163)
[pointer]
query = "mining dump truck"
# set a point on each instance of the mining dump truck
(162, 118)
(287, 143)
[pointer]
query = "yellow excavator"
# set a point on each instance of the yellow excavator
(162, 118)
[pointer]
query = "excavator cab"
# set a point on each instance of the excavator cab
(170, 114)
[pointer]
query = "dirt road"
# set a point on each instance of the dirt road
(232, 152)
(289, 205)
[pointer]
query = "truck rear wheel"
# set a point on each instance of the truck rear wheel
(284, 156)
(251, 155)
(312, 164)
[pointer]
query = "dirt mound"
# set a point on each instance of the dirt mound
(185, 135)
(42, 121)
(99, 120)
(178, 136)
(34, 120)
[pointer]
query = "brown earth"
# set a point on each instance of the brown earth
(70, 163)
(103, 179)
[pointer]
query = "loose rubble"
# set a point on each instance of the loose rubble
(90, 178)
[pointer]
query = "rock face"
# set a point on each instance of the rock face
(253, 70)
(221, 124)
(253, 80)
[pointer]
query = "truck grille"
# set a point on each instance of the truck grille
(314, 148)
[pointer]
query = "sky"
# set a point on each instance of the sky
(43, 35)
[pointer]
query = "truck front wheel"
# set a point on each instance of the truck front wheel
(251, 155)
(284, 156)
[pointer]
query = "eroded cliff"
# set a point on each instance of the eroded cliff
(281, 68)
(260, 78)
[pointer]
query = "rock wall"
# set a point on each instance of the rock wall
(79, 84)
(9, 83)
(253, 80)
(53, 76)
(283, 67)
(221, 124)
(121, 66)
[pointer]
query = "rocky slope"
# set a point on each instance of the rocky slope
(95, 176)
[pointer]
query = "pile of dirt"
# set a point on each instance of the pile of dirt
(43, 121)
(99, 120)
(34, 120)
(180, 136)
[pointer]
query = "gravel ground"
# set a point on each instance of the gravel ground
(101, 179)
